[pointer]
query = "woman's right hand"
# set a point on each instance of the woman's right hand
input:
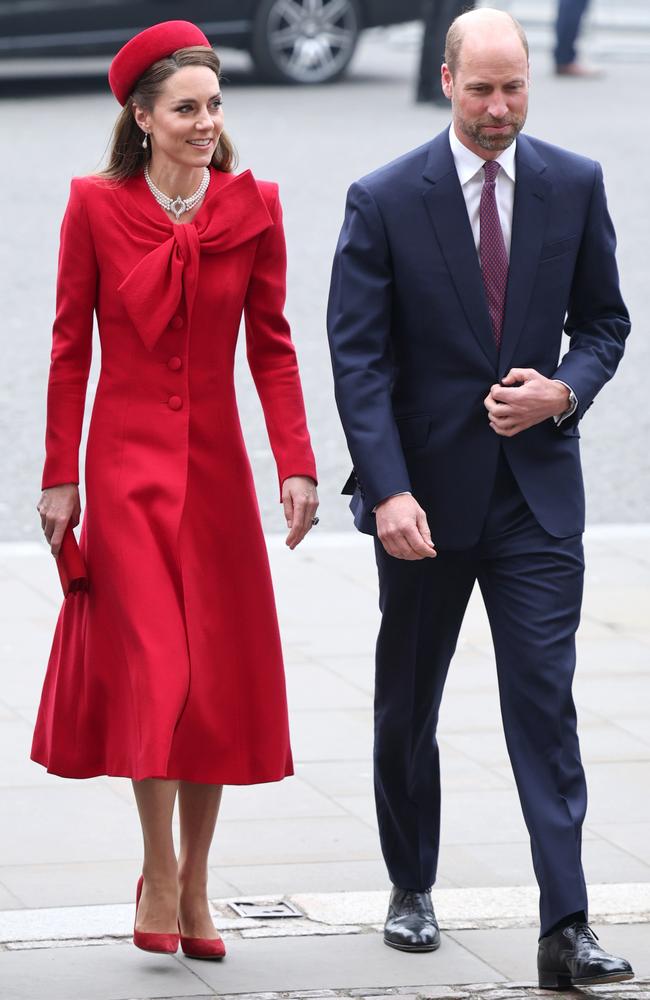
(58, 506)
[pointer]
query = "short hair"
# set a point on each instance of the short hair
(456, 33)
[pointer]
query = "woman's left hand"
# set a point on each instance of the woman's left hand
(300, 501)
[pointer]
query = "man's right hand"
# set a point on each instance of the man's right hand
(402, 528)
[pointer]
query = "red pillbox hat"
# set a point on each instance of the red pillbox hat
(146, 48)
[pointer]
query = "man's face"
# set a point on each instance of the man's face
(489, 92)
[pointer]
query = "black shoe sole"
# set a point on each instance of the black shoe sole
(560, 981)
(412, 947)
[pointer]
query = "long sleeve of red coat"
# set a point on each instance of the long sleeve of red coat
(271, 354)
(71, 344)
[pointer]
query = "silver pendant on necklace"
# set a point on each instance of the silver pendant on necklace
(178, 206)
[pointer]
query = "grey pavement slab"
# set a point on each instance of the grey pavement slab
(335, 734)
(283, 800)
(634, 838)
(72, 883)
(611, 743)
(117, 972)
(486, 817)
(8, 899)
(513, 951)
(510, 864)
(623, 696)
(317, 876)
(15, 745)
(595, 657)
(606, 862)
(463, 774)
(66, 821)
(357, 670)
(76, 883)
(294, 840)
(314, 686)
(486, 864)
(339, 777)
(619, 790)
(476, 711)
(637, 727)
(340, 963)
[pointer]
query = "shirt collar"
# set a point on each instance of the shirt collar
(468, 163)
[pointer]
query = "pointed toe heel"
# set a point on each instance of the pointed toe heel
(210, 949)
(163, 944)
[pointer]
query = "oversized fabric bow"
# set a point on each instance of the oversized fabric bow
(165, 279)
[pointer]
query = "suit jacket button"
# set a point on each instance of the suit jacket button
(176, 322)
(175, 402)
(174, 364)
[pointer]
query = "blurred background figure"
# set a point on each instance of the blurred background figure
(437, 16)
(567, 29)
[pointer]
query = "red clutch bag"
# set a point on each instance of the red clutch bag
(71, 565)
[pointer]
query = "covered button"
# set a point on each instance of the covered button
(174, 364)
(176, 322)
(175, 402)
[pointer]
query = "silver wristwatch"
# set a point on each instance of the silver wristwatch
(573, 403)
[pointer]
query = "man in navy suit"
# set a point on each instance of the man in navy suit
(457, 269)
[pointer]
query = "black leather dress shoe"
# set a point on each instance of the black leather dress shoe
(571, 957)
(411, 924)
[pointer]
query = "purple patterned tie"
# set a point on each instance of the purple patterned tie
(493, 253)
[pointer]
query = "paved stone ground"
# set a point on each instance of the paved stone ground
(640, 990)
(70, 851)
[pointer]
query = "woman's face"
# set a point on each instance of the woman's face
(187, 118)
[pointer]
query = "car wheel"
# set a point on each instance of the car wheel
(305, 41)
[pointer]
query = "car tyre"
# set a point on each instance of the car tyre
(305, 41)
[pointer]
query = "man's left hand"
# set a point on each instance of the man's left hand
(522, 399)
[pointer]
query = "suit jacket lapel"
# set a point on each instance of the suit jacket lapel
(529, 219)
(443, 197)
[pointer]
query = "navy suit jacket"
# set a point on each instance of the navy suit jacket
(412, 345)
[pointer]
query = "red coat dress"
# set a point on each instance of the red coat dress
(171, 665)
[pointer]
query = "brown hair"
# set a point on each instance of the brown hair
(127, 157)
(456, 34)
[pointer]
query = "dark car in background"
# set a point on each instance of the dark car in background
(290, 41)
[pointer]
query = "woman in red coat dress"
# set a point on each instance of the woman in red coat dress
(169, 669)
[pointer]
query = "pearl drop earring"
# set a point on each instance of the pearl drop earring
(144, 141)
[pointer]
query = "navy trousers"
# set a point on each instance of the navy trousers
(531, 584)
(569, 16)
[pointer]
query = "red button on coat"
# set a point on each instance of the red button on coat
(175, 402)
(176, 322)
(174, 364)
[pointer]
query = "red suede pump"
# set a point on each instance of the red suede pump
(166, 944)
(208, 948)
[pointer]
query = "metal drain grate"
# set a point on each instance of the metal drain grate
(265, 910)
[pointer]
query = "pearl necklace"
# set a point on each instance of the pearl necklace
(178, 205)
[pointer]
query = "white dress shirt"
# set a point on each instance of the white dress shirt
(469, 168)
